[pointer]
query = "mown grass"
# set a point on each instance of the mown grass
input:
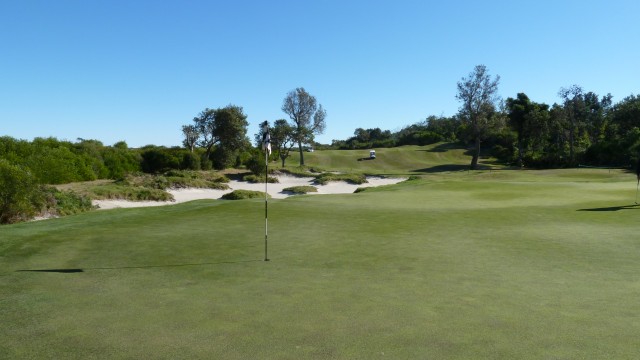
(403, 160)
(478, 265)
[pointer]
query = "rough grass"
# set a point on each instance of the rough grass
(147, 187)
(244, 194)
(325, 178)
(259, 179)
(479, 265)
(303, 189)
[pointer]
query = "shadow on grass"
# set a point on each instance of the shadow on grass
(443, 168)
(444, 148)
(614, 208)
(68, 271)
(453, 167)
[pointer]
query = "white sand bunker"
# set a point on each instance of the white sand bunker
(275, 190)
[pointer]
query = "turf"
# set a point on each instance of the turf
(482, 265)
(405, 160)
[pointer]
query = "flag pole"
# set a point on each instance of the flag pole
(266, 146)
(266, 203)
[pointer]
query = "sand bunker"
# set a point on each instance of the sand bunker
(275, 190)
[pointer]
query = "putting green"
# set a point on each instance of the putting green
(482, 265)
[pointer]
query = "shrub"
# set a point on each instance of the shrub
(21, 197)
(256, 165)
(190, 161)
(356, 179)
(63, 203)
(244, 194)
(260, 179)
(296, 190)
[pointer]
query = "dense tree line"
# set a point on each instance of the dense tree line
(28, 168)
(584, 128)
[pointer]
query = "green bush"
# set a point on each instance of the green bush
(260, 179)
(301, 189)
(356, 179)
(244, 194)
(133, 193)
(190, 161)
(302, 171)
(21, 197)
(256, 165)
(62, 203)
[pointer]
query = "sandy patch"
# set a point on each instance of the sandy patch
(275, 190)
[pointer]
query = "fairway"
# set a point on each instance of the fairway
(461, 265)
(402, 160)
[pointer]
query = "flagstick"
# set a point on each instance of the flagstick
(637, 190)
(266, 223)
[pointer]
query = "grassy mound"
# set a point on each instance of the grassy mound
(244, 194)
(299, 190)
(259, 179)
(147, 187)
(403, 160)
(325, 178)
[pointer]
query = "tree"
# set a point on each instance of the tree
(478, 94)
(205, 126)
(282, 138)
(308, 117)
(575, 114)
(231, 131)
(225, 127)
(529, 120)
(191, 135)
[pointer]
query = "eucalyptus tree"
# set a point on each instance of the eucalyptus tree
(478, 95)
(307, 115)
(191, 135)
(283, 138)
(225, 128)
(575, 114)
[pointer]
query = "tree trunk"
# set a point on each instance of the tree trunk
(476, 154)
(519, 152)
(282, 158)
(301, 154)
(571, 137)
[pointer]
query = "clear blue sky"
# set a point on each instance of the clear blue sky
(138, 70)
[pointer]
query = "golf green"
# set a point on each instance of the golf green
(478, 265)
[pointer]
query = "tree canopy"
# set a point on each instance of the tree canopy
(478, 95)
(307, 116)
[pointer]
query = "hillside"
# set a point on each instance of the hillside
(403, 160)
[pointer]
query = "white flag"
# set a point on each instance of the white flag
(266, 142)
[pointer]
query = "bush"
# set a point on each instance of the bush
(62, 203)
(21, 197)
(356, 179)
(296, 190)
(159, 159)
(244, 194)
(190, 161)
(260, 179)
(256, 165)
